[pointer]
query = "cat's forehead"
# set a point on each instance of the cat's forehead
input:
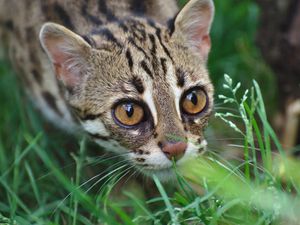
(134, 29)
(145, 49)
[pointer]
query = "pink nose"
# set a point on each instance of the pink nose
(174, 150)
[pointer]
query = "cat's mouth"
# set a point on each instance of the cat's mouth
(165, 168)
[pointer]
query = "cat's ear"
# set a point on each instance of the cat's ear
(67, 51)
(193, 23)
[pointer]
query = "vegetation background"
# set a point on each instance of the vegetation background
(48, 177)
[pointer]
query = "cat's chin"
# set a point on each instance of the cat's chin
(164, 175)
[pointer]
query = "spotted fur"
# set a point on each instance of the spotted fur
(95, 53)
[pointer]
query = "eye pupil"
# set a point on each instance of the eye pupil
(194, 101)
(193, 98)
(129, 110)
(128, 113)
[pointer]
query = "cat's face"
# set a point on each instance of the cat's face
(139, 88)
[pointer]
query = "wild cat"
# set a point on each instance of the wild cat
(131, 74)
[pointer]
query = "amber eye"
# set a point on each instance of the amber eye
(194, 101)
(129, 113)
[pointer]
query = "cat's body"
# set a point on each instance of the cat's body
(117, 71)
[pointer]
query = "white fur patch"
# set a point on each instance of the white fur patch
(95, 127)
(148, 98)
(134, 132)
(172, 80)
(158, 160)
(191, 152)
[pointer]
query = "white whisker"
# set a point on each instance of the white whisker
(102, 178)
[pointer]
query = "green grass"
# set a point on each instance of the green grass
(44, 182)
(48, 177)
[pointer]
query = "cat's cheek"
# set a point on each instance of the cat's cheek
(95, 128)
(132, 139)
(111, 145)
(195, 129)
(197, 126)
(157, 161)
(150, 157)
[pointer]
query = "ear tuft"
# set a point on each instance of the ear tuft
(67, 51)
(193, 23)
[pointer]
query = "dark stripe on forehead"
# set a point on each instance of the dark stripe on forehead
(158, 34)
(138, 84)
(131, 41)
(180, 77)
(163, 62)
(129, 59)
(108, 35)
(135, 29)
(146, 68)
(155, 65)
(138, 29)
(154, 61)
(152, 39)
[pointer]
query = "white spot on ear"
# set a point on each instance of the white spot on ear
(172, 80)
(95, 127)
(148, 98)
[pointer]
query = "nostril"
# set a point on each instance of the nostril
(174, 150)
(168, 155)
(160, 145)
